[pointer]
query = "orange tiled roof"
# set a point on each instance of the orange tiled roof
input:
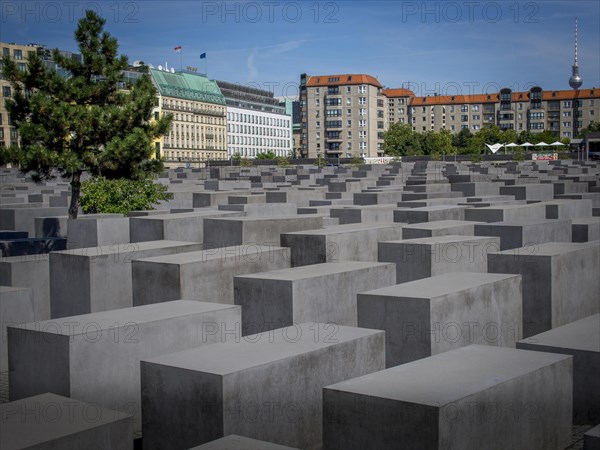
(495, 98)
(346, 79)
(399, 92)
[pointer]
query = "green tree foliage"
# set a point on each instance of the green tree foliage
(120, 196)
(85, 122)
(283, 162)
(401, 140)
(266, 155)
(593, 127)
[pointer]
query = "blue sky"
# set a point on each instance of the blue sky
(444, 47)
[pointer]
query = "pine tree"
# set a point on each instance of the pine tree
(83, 122)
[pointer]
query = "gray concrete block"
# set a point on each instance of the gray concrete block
(96, 357)
(50, 421)
(96, 279)
(591, 439)
(51, 226)
(364, 214)
(97, 230)
(31, 271)
(438, 228)
(560, 282)
(539, 192)
(476, 397)
(324, 292)
(193, 397)
(430, 213)
(262, 209)
(585, 230)
(235, 442)
(507, 213)
(378, 198)
(516, 234)
(23, 219)
(228, 232)
(580, 339)
(187, 227)
(16, 306)
(203, 275)
(568, 209)
(434, 315)
(427, 257)
(354, 242)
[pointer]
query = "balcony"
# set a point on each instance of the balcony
(209, 136)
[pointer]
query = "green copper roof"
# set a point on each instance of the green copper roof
(187, 86)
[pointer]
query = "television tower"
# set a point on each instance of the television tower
(575, 81)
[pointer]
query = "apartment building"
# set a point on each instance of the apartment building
(20, 53)
(341, 116)
(565, 112)
(256, 121)
(199, 129)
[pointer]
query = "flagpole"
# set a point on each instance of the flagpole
(181, 60)
(206, 66)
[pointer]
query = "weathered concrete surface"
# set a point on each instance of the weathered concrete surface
(434, 315)
(463, 399)
(430, 213)
(580, 339)
(507, 213)
(31, 271)
(235, 442)
(96, 279)
(16, 306)
(325, 292)
(560, 282)
(591, 439)
(427, 257)
(529, 233)
(50, 421)
(354, 242)
(438, 228)
(205, 275)
(187, 227)
(97, 230)
(255, 230)
(96, 357)
(585, 230)
(193, 397)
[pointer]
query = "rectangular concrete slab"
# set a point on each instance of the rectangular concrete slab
(187, 227)
(507, 213)
(434, 315)
(205, 275)
(426, 257)
(235, 442)
(50, 421)
(438, 228)
(325, 292)
(353, 242)
(470, 398)
(99, 278)
(266, 386)
(580, 339)
(31, 271)
(95, 357)
(560, 282)
(16, 307)
(221, 232)
(515, 234)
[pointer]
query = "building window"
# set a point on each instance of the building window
(6, 91)
(567, 104)
(464, 118)
(362, 123)
(362, 100)
(18, 54)
(362, 111)
(362, 134)
(348, 123)
(464, 108)
(362, 89)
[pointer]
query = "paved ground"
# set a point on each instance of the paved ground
(576, 442)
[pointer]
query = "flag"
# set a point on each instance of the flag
(203, 55)
(177, 49)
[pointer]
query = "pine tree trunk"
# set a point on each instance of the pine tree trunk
(75, 193)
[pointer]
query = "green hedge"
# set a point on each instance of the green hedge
(120, 196)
